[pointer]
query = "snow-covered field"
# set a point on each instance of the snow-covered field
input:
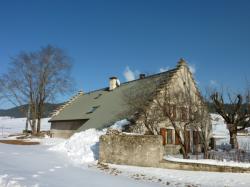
(10, 125)
(72, 162)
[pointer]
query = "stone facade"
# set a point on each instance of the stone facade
(183, 96)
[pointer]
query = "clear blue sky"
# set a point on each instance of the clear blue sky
(104, 37)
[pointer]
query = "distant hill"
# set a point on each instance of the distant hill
(16, 112)
(228, 107)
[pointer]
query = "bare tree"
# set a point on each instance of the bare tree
(235, 112)
(202, 126)
(18, 84)
(53, 77)
(139, 99)
(178, 106)
(35, 78)
(186, 114)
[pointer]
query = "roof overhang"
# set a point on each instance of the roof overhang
(65, 120)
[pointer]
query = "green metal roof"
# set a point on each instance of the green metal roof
(103, 107)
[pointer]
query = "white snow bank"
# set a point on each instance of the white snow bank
(119, 125)
(209, 162)
(83, 147)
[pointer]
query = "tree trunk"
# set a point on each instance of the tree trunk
(233, 139)
(205, 152)
(33, 126)
(39, 115)
(185, 147)
(26, 125)
(196, 151)
(38, 125)
(184, 152)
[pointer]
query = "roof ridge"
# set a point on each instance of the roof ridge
(147, 77)
(153, 75)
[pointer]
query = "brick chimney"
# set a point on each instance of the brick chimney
(142, 76)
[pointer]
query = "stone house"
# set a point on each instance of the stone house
(184, 107)
(101, 108)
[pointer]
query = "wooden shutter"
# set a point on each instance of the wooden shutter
(163, 134)
(177, 139)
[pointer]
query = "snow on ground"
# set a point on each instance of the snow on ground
(83, 147)
(67, 165)
(209, 161)
(10, 125)
(180, 178)
(35, 166)
(47, 140)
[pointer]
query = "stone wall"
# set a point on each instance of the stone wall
(138, 150)
(171, 149)
(147, 150)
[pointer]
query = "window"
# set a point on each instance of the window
(97, 97)
(92, 109)
(169, 136)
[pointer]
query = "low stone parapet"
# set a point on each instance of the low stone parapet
(167, 164)
(148, 151)
(137, 150)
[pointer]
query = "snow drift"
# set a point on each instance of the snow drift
(83, 147)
